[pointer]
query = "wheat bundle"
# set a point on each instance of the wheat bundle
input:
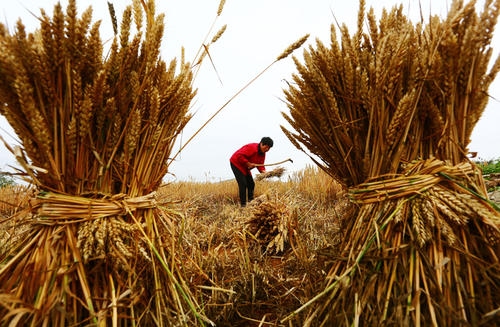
(272, 222)
(276, 172)
(389, 112)
(97, 132)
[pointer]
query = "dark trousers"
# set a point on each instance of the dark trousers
(245, 183)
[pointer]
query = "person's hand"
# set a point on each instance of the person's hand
(250, 165)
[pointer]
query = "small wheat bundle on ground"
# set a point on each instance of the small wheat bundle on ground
(98, 134)
(272, 222)
(389, 113)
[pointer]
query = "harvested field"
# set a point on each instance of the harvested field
(239, 278)
(240, 281)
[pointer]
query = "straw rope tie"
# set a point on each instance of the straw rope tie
(415, 179)
(54, 207)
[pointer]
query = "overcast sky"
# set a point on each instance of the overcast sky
(257, 32)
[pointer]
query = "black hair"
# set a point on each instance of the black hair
(267, 141)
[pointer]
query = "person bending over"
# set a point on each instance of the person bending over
(243, 160)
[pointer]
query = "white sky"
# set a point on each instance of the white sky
(257, 32)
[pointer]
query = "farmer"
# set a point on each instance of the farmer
(242, 161)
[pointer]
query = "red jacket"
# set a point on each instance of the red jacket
(248, 153)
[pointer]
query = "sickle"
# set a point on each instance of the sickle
(273, 164)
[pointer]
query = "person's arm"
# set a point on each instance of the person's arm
(243, 155)
(243, 159)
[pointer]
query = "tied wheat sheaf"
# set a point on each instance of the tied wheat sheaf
(389, 112)
(272, 222)
(97, 131)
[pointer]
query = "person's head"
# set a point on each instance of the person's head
(266, 143)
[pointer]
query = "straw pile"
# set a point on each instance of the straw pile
(389, 112)
(492, 180)
(13, 198)
(96, 140)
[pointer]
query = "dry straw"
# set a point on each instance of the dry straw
(98, 131)
(389, 113)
